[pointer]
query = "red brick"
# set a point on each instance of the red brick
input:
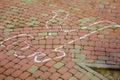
(23, 62)
(37, 73)
(50, 63)
(88, 48)
(3, 56)
(17, 79)
(99, 49)
(46, 75)
(30, 78)
(52, 70)
(24, 75)
(91, 57)
(91, 43)
(77, 75)
(9, 71)
(63, 70)
(44, 68)
(17, 66)
(16, 60)
(73, 71)
(85, 52)
(66, 76)
(10, 64)
(16, 73)
(2, 70)
(4, 62)
(9, 78)
(55, 76)
(2, 77)
(25, 67)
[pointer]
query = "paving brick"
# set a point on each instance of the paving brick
(73, 78)
(30, 78)
(87, 76)
(38, 79)
(24, 75)
(101, 36)
(43, 34)
(78, 47)
(9, 71)
(74, 51)
(59, 79)
(110, 62)
(55, 76)
(44, 68)
(2, 27)
(2, 70)
(66, 76)
(95, 78)
(103, 57)
(2, 77)
(58, 65)
(81, 57)
(9, 78)
(63, 70)
(32, 69)
(53, 34)
(16, 73)
(100, 61)
(10, 52)
(80, 69)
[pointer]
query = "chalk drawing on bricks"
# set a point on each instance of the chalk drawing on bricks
(57, 49)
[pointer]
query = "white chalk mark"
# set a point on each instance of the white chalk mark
(57, 49)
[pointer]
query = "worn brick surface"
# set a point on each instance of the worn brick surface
(35, 18)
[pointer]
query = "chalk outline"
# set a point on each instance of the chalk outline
(36, 54)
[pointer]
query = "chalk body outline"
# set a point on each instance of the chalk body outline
(57, 49)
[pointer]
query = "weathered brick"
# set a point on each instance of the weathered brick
(103, 57)
(110, 62)
(32, 69)
(2, 27)
(89, 76)
(100, 61)
(95, 78)
(43, 34)
(58, 65)
(73, 78)
(80, 56)
(101, 36)
(78, 47)
(74, 51)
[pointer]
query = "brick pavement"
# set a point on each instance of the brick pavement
(40, 40)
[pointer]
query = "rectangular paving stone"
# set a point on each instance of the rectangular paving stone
(2, 27)
(100, 61)
(10, 52)
(72, 78)
(110, 62)
(32, 69)
(78, 47)
(103, 57)
(100, 36)
(74, 51)
(95, 78)
(53, 33)
(80, 69)
(43, 34)
(58, 65)
(80, 56)
(89, 61)
(87, 76)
